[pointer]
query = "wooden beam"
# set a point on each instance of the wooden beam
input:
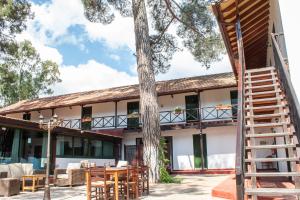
(244, 7)
(254, 18)
(255, 28)
(220, 20)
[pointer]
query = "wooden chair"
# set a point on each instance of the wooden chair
(100, 185)
(132, 183)
(144, 179)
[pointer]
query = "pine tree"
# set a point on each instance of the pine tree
(195, 27)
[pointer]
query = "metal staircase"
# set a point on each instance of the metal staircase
(270, 147)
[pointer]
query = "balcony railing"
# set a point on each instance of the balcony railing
(212, 113)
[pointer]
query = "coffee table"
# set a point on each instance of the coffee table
(36, 181)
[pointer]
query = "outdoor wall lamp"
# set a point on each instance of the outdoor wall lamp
(48, 126)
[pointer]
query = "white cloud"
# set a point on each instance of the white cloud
(91, 76)
(184, 65)
(46, 52)
(115, 57)
(53, 21)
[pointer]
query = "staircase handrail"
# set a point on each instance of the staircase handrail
(286, 84)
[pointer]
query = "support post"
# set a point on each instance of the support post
(200, 131)
(15, 155)
(47, 187)
(116, 114)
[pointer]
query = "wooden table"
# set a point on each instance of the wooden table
(116, 172)
(112, 171)
(35, 184)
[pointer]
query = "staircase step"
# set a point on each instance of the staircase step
(264, 100)
(261, 81)
(264, 125)
(277, 146)
(261, 86)
(260, 135)
(270, 159)
(260, 75)
(264, 108)
(272, 174)
(262, 93)
(266, 116)
(260, 69)
(272, 191)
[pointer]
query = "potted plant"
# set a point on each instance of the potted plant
(178, 110)
(223, 107)
(86, 119)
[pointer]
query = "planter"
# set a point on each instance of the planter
(178, 111)
(223, 107)
(87, 119)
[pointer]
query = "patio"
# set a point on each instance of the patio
(192, 187)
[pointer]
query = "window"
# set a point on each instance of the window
(81, 147)
(96, 148)
(27, 116)
(234, 102)
(64, 146)
(108, 149)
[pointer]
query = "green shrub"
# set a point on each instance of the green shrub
(165, 177)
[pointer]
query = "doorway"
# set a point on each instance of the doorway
(192, 105)
(169, 151)
(198, 160)
(133, 114)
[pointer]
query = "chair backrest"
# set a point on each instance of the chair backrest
(98, 174)
(132, 173)
(122, 163)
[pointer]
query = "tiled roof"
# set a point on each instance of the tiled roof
(215, 81)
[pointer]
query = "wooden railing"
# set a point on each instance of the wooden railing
(211, 113)
(240, 144)
(286, 84)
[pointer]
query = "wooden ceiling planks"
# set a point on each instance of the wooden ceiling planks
(254, 18)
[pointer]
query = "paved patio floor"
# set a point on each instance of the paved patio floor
(192, 187)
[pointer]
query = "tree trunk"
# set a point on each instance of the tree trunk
(148, 96)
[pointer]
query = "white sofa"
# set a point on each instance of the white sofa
(17, 170)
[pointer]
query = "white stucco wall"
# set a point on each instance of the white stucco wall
(221, 144)
(63, 162)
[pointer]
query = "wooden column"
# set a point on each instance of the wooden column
(116, 114)
(200, 131)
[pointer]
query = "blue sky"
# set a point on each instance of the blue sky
(94, 56)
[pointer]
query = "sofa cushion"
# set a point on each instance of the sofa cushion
(5, 168)
(122, 163)
(27, 168)
(16, 170)
(73, 166)
(62, 176)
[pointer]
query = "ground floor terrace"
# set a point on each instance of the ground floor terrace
(192, 187)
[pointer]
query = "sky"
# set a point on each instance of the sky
(95, 56)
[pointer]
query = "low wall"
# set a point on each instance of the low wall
(63, 162)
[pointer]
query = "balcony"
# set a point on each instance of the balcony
(208, 114)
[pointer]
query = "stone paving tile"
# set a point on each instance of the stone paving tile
(193, 187)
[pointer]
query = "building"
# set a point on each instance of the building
(188, 107)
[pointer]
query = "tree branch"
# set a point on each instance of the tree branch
(163, 32)
(169, 7)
